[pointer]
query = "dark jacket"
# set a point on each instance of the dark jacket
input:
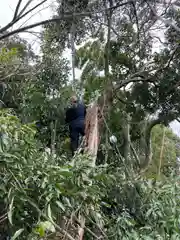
(75, 114)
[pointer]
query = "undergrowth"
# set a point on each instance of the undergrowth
(42, 195)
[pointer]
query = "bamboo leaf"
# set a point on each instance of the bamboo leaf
(10, 212)
(17, 234)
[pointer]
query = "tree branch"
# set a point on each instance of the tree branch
(18, 17)
(166, 21)
(147, 141)
(25, 7)
(30, 10)
(172, 57)
(124, 83)
(17, 9)
(65, 16)
(147, 137)
(139, 76)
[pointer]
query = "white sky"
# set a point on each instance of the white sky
(43, 13)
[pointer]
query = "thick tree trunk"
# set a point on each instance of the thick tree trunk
(92, 132)
(147, 143)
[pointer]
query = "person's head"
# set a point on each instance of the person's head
(73, 100)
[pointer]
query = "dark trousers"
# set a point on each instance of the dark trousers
(75, 131)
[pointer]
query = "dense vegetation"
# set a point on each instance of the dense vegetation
(133, 190)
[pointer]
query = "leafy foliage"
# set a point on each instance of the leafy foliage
(47, 195)
(39, 190)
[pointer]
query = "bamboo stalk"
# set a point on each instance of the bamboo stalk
(73, 52)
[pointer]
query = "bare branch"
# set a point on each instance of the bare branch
(38, 11)
(25, 7)
(3, 219)
(166, 21)
(137, 77)
(19, 17)
(53, 20)
(127, 81)
(17, 9)
(3, 216)
(172, 57)
(169, 3)
(177, 119)
(32, 9)
(159, 39)
(65, 16)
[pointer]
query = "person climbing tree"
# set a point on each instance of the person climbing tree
(75, 118)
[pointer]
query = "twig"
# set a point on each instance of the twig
(172, 56)
(102, 232)
(25, 7)
(3, 219)
(166, 21)
(92, 233)
(19, 17)
(135, 154)
(3, 216)
(32, 9)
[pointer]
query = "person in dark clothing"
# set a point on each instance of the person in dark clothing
(75, 118)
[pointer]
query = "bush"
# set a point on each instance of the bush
(40, 193)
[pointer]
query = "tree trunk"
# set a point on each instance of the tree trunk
(92, 132)
(146, 138)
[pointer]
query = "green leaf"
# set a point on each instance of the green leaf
(8, 155)
(43, 227)
(17, 234)
(50, 213)
(60, 205)
(5, 139)
(48, 226)
(40, 231)
(10, 212)
(9, 193)
(66, 172)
